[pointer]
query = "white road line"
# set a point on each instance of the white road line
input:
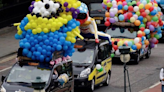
(5, 69)
(155, 85)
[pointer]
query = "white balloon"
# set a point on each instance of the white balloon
(56, 5)
(40, 4)
(143, 46)
(45, 1)
(147, 11)
(42, 10)
(135, 16)
(115, 10)
(53, 10)
(35, 10)
(111, 10)
(144, 38)
(117, 52)
(136, 8)
(136, 40)
(35, 4)
(98, 66)
(114, 2)
(46, 13)
(116, 19)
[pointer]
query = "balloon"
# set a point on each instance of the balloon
(107, 14)
(112, 14)
(142, 25)
(146, 42)
(143, 14)
(138, 45)
(154, 12)
(112, 55)
(112, 20)
(124, 3)
(130, 43)
(119, 7)
(147, 11)
(136, 8)
(139, 35)
(130, 8)
(135, 16)
(121, 17)
(147, 31)
(125, 7)
(147, 6)
(98, 66)
(151, 27)
(120, 43)
(151, 9)
(129, 15)
(115, 47)
(132, 19)
(137, 22)
(107, 23)
(134, 47)
(117, 52)
(136, 40)
(138, 13)
(141, 6)
(109, 4)
(140, 18)
(155, 18)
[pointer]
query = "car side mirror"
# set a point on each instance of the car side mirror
(3, 78)
(98, 61)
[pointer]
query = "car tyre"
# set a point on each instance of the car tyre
(107, 80)
(92, 86)
(137, 59)
(147, 55)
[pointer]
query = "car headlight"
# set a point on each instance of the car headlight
(2, 89)
(85, 72)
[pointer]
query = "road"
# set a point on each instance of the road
(142, 76)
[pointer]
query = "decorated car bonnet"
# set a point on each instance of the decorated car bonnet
(144, 14)
(49, 28)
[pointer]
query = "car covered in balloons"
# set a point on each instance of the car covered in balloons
(30, 76)
(127, 36)
(92, 64)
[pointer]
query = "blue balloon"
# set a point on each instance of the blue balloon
(41, 58)
(142, 38)
(77, 23)
(58, 47)
(69, 28)
(42, 33)
(65, 47)
(56, 36)
(48, 59)
(33, 57)
(52, 49)
(130, 43)
(119, 7)
(36, 46)
(60, 34)
(32, 49)
(45, 37)
(49, 53)
(70, 23)
(65, 35)
(140, 18)
(56, 33)
(48, 48)
(23, 33)
(17, 36)
(154, 12)
(27, 36)
(38, 53)
(24, 40)
(25, 51)
(29, 55)
(121, 17)
(36, 41)
(62, 39)
(125, 7)
(59, 43)
(134, 47)
(27, 45)
(39, 49)
(23, 23)
(68, 43)
(73, 50)
(44, 52)
(26, 20)
(65, 29)
(51, 34)
(147, 31)
(51, 39)
(29, 31)
(160, 35)
(40, 38)
(32, 44)
(73, 25)
(46, 42)
(21, 44)
(159, 9)
(32, 39)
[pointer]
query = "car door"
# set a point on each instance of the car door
(100, 76)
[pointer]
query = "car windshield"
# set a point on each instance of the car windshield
(85, 57)
(96, 6)
(28, 74)
(122, 32)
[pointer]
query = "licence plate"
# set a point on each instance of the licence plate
(98, 21)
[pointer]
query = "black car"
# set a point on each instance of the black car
(30, 76)
(86, 59)
(98, 13)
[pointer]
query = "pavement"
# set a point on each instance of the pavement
(9, 46)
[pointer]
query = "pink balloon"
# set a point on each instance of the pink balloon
(138, 3)
(124, 3)
(148, 23)
(108, 1)
(125, 16)
(114, 6)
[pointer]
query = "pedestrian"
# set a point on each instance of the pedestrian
(161, 76)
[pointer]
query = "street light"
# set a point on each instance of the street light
(125, 57)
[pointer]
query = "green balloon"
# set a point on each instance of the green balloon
(129, 4)
(109, 4)
(132, 42)
(100, 69)
(145, 20)
(155, 18)
(138, 13)
(112, 55)
(148, 36)
(156, 36)
(142, 25)
(133, 2)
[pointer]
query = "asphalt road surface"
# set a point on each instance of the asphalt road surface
(142, 76)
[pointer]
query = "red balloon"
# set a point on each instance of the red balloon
(142, 10)
(107, 18)
(130, 8)
(139, 35)
(155, 24)
(115, 47)
(151, 9)
(161, 24)
(142, 29)
(156, 42)
(107, 23)
(140, 43)
(143, 14)
(129, 15)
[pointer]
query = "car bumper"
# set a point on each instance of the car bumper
(81, 82)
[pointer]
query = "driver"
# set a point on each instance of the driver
(88, 25)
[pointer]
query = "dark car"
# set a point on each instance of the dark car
(12, 11)
(98, 13)
(86, 59)
(30, 76)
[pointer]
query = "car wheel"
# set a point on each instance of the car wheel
(92, 86)
(148, 53)
(137, 59)
(107, 80)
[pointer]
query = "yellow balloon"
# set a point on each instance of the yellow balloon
(39, 20)
(141, 6)
(33, 25)
(73, 40)
(120, 43)
(69, 17)
(68, 38)
(65, 21)
(49, 26)
(75, 5)
(78, 3)
(53, 24)
(45, 20)
(150, 4)
(45, 30)
(69, 34)
(19, 32)
(34, 17)
(50, 21)
(139, 32)
(26, 28)
(43, 25)
(29, 17)
(69, 6)
(53, 29)
(156, 5)
(39, 30)
(60, 24)
(34, 31)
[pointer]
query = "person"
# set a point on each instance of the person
(88, 26)
(161, 75)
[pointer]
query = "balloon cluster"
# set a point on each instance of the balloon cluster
(99, 67)
(144, 13)
(41, 36)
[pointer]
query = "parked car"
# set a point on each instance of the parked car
(98, 13)
(85, 58)
(123, 34)
(24, 76)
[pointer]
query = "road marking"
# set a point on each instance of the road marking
(8, 58)
(150, 87)
(5, 69)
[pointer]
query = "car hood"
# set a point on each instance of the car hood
(77, 68)
(15, 88)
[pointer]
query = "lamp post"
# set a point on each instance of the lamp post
(125, 57)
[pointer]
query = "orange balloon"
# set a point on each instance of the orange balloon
(138, 45)
(148, 18)
(147, 6)
(143, 33)
(140, 39)
(146, 42)
(119, 3)
(120, 11)
(107, 14)
(137, 22)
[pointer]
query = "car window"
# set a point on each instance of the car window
(107, 51)
(101, 53)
